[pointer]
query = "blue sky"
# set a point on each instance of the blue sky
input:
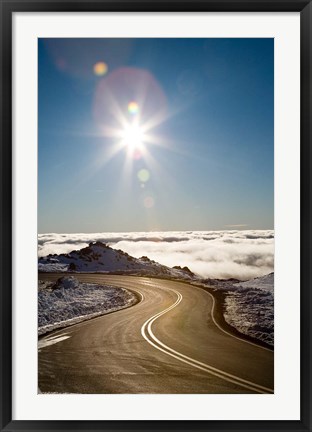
(155, 134)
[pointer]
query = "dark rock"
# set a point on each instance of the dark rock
(72, 267)
(185, 269)
(145, 258)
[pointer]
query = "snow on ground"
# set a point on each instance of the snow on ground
(53, 267)
(249, 307)
(68, 302)
(264, 283)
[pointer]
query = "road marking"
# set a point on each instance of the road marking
(148, 335)
(216, 323)
(224, 331)
(141, 294)
(52, 340)
(146, 331)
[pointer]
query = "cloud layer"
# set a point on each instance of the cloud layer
(215, 254)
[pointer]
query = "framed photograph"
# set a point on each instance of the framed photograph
(156, 226)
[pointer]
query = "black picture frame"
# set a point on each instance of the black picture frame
(7, 9)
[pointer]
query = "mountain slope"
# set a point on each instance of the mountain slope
(98, 257)
(249, 307)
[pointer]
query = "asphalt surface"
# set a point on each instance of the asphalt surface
(169, 342)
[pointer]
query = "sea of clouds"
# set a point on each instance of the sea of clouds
(209, 254)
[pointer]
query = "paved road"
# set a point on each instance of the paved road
(167, 343)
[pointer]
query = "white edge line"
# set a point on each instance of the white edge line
(242, 339)
(224, 331)
(195, 363)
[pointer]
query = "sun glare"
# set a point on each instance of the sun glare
(133, 137)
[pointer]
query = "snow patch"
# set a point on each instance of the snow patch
(55, 267)
(264, 283)
(249, 307)
(68, 302)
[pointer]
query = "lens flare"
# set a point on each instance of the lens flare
(133, 108)
(143, 175)
(128, 104)
(137, 154)
(149, 202)
(100, 68)
(118, 97)
(61, 63)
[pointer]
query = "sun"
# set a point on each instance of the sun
(133, 137)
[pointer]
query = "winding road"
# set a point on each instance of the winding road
(169, 342)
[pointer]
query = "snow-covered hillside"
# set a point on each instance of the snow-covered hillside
(68, 302)
(98, 257)
(249, 307)
(264, 283)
